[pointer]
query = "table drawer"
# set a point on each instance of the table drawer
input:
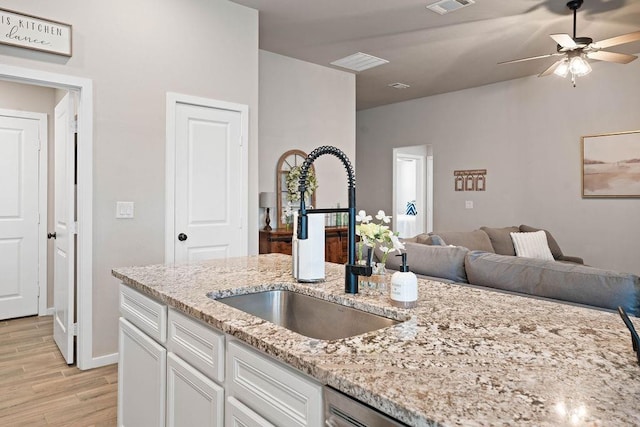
(146, 313)
(197, 344)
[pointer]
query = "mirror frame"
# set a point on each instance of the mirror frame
(288, 160)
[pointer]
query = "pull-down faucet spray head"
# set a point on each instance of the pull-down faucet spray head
(352, 271)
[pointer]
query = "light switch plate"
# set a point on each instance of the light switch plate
(468, 204)
(124, 209)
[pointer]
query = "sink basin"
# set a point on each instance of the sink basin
(308, 316)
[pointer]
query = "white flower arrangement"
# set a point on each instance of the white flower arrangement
(372, 233)
(292, 181)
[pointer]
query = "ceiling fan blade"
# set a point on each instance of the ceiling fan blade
(551, 69)
(564, 40)
(513, 61)
(620, 58)
(615, 41)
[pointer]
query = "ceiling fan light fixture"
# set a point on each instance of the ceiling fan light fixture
(578, 66)
(562, 70)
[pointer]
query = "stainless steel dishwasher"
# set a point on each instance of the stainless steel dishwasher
(341, 410)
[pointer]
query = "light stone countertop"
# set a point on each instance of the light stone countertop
(465, 356)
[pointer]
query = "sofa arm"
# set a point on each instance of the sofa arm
(573, 259)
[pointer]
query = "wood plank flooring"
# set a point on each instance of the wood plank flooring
(38, 388)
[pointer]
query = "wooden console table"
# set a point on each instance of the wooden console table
(279, 241)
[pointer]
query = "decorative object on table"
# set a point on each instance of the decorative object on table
(374, 234)
(470, 180)
(31, 32)
(267, 200)
(574, 51)
(611, 165)
(411, 208)
(404, 286)
(287, 194)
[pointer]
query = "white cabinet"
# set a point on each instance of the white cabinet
(192, 398)
(157, 387)
(141, 378)
(278, 393)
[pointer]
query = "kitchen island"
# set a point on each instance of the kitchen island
(464, 356)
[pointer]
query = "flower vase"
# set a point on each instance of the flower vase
(378, 279)
(377, 282)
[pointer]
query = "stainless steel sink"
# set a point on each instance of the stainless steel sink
(308, 316)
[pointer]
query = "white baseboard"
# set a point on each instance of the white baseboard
(97, 362)
(50, 311)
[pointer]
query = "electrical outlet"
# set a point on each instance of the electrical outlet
(124, 209)
(468, 204)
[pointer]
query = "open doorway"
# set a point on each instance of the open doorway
(412, 190)
(78, 328)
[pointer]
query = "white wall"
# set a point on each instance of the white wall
(304, 106)
(136, 52)
(23, 97)
(526, 133)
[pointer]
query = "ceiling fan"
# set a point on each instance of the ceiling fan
(574, 51)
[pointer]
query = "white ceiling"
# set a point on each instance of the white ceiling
(432, 53)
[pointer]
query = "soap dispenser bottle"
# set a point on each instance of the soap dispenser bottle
(404, 286)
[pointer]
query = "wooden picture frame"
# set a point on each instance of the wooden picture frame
(32, 32)
(610, 165)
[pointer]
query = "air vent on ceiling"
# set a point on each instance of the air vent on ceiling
(443, 7)
(398, 85)
(359, 62)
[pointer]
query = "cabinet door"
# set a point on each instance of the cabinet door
(238, 415)
(277, 392)
(192, 398)
(141, 378)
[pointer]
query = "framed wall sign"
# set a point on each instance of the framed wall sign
(31, 32)
(611, 165)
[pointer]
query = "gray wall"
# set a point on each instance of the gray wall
(526, 133)
(304, 106)
(135, 52)
(37, 99)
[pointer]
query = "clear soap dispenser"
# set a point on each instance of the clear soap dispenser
(404, 286)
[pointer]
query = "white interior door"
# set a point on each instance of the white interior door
(19, 193)
(210, 183)
(65, 229)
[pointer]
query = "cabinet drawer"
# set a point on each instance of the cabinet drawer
(280, 394)
(192, 398)
(147, 314)
(196, 343)
(238, 415)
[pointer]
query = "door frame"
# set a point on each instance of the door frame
(426, 160)
(170, 158)
(42, 199)
(84, 264)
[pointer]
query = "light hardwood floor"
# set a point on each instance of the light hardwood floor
(37, 387)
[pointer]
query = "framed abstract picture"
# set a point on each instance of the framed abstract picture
(611, 165)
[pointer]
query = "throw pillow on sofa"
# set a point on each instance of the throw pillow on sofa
(445, 262)
(553, 245)
(532, 245)
(501, 239)
(476, 240)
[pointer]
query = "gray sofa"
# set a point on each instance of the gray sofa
(486, 258)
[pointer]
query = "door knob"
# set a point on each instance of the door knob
(51, 235)
(182, 237)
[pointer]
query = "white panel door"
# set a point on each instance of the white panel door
(19, 142)
(64, 211)
(210, 184)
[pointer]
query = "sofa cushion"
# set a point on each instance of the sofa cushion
(532, 245)
(501, 239)
(476, 240)
(568, 282)
(432, 239)
(436, 261)
(553, 245)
